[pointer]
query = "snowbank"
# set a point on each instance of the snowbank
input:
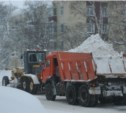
(95, 45)
(16, 101)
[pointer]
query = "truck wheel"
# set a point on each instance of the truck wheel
(71, 94)
(5, 81)
(31, 87)
(49, 92)
(85, 99)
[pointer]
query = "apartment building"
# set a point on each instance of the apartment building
(97, 18)
(90, 16)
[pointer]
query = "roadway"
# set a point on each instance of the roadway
(61, 106)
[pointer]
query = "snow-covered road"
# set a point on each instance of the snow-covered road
(61, 106)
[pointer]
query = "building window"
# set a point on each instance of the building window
(104, 12)
(90, 10)
(55, 28)
(124, 12)
(91, 27)
(104, 28)
(62, 28)
(54, 10)
(62, 10)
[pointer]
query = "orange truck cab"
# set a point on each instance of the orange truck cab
(74, 75)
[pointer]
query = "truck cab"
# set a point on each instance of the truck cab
(33, 61)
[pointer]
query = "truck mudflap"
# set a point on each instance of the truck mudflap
(124, 89)
(94, 90)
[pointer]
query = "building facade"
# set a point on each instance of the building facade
(89, 17)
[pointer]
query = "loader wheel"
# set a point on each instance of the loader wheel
(71, 94)
(32, 88)
(86, 99)
(24, 85)
(5, 81)
(49, 92)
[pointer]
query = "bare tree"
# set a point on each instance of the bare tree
(5, 40)
(73, 36)
(36, 24)
(117, 24)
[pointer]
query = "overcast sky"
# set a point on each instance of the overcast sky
(20, 3)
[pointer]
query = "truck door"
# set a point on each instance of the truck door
(56, 67)
(46, 71)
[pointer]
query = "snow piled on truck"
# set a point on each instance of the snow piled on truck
(95, 45)
(107, 60)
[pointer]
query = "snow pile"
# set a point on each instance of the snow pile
(94, 44)
(16, 101)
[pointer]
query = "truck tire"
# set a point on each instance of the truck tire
(85, 99)
(5, 81)
(32, 88)
(71, 94)
(49, 92)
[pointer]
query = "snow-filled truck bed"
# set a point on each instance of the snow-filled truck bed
(84, 79)
(111, 66)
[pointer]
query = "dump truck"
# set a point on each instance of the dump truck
(83, 79)
(25, 77)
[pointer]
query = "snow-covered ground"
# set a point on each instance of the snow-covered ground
(61, 106)
(16, 101)
(13, 100)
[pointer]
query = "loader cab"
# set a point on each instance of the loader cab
(33, 61)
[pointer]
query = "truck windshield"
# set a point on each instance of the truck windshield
(36, 57)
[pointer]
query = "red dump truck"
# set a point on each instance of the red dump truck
(83, 79)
